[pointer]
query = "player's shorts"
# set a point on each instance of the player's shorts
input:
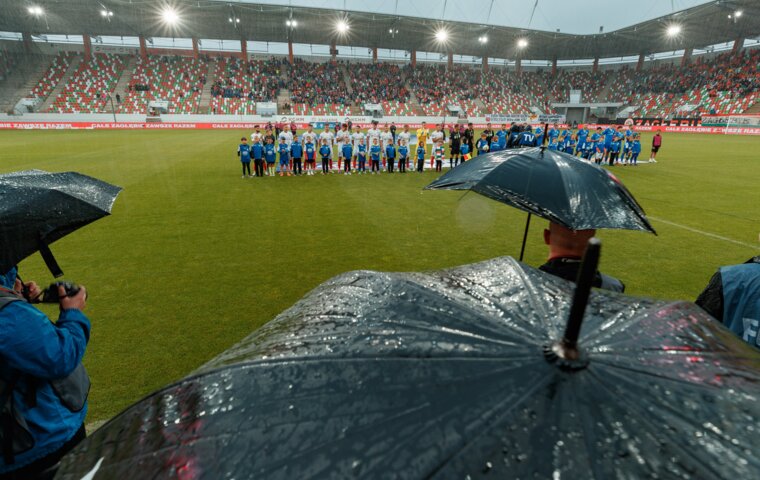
(454, 149)
(656, 149)
(284, 161)
(340, 150)
(607, 146)
(310, 160)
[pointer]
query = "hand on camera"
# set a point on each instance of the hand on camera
(76, 302)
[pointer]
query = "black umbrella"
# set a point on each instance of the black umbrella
(37, 208)
(550, 184)
(462, 373)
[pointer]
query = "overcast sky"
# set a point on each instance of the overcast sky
(570, 16)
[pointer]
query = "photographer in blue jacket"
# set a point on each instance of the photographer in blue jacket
(43, 384)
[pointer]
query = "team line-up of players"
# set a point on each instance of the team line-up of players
(384, 147)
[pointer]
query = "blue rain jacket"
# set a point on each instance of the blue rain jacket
(32, 345)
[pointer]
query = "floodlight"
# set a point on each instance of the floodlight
(35, 10)
(442, 35)
(291, 23)
(738, 13)
(342, 26)
(483, 39)
(237, 20)
(522, 43)
(169, 15)
(674, 30)
(106, 13)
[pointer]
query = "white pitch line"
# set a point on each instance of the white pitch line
(706, 234)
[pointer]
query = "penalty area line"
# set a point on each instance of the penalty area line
(705, 234)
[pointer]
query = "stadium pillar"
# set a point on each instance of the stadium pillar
(333, 51)
(554, 67)
(738, 44)
(641, 62)
(143, 48)
(485, 63)
(87, 47)
(196, 51)
(374, 54)
(518, 66)
(451, 60)
(27, 37)
(595, 68)
(243, 50)
(686, 56)
(290, 51)
(413, 58)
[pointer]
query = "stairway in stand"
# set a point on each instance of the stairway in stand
(126, 77)
(24, 76)
(73, 67)
(204, 105)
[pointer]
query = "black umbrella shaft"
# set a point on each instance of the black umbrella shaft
(525, 238)
(585, 281)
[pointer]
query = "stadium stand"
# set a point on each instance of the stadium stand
(238, 86)
(52, 75)
(179, 80)
(89, 88)
(317, 87)
(722, 84)
(373, 83)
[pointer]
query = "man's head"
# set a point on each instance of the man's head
(406, 127)
(564, 242)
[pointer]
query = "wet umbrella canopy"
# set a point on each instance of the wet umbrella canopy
(552, 185)
(37, 208)
(443, 375)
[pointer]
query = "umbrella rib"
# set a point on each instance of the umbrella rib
(644, 417)
(514, 403)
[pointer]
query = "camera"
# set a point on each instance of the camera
(50, 294)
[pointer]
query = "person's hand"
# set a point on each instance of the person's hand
(32, 291)
(76, 302)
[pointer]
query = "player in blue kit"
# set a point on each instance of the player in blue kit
(495, 146)
(390, 156)
(464, 151)
(539, 135)
(482, 146)
(403, 155)
(582, 134)
(635, 149)
(421, 157)
(257, 152)
(570, 144)
(347, 151)
(310, 153)
(326, 153)
(553, 142)
(502, 136)
(553, 134)
(270, 155)
(244, 152)
(296, 153)
(375, 151)
(284, 149)
(608, 134)
(614, 151)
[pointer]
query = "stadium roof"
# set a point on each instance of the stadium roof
(705, 24)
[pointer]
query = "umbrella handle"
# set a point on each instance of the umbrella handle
(584, 282)
(566, 353)
(49, 259)
(525, 238)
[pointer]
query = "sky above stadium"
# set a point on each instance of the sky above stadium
(577, 17)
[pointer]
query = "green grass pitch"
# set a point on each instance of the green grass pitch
(194, 258)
